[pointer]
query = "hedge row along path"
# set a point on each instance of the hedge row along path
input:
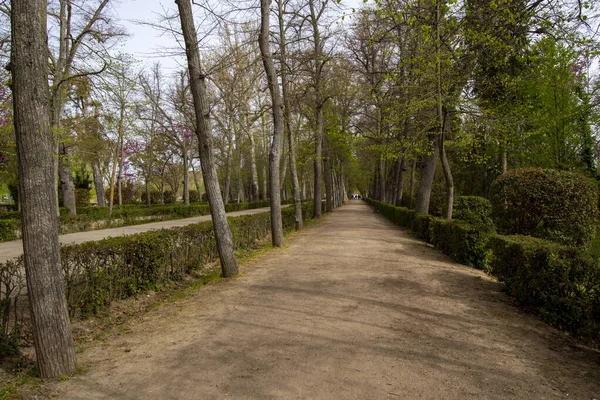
(12, 249)
(352, 308)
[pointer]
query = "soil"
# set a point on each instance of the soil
(351, 308)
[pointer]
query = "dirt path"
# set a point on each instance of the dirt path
(354, 308)
(14, 248)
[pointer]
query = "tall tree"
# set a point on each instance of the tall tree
(203, 131)
(277, 110)
(29, 65)
(283, 65)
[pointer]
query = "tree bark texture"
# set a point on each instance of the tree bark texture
(45, 284)
(98, 183)
(203, 132)
(277, 142)
(427, 177)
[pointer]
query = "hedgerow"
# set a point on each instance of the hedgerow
(8, 228)
(473, 209)
(561, 283)
(89, 218)
(545, 203)
(98, 273)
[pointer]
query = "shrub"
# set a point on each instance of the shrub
(82, 197)
(8, 228)
(473, 209)
(463, 242)
(169, 197)
(548, 204)
(562, 283)
(97, 273)
(422, 225)
(155, 197)
(194, 197)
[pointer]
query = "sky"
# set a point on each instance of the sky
(145, 42)
(149, 44)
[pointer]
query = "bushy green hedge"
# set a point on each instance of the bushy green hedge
(562, 283)
(169, 197)
(473, 209)
(545, 203)
(463, 242)
(88, 218)
(422, 226)
(8, 229)
(97, 273)
(194, 197)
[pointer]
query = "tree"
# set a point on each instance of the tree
(45, 285)
(203, 131)
(277, 110)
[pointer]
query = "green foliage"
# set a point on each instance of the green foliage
(549, 204)
(463, 242)
(8, 228)
(82, 179)
(169, 197)
(88, 218)
(82, 197)
(194, 197)
(98, 273)
(473, 209)
(561, 283)
(422, 226)
(155, 197)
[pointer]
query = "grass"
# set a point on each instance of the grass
(9, 390)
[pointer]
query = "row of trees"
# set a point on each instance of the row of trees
(409, 102)
(473, 88)
(117, 121)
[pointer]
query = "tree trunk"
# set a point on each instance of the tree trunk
(442, 119)
(45, 283)
(66, 180)
(317, 191)
(227, 183)
(412, 183)
(98, 183)
(427, 177)
(147, 186)
(120, 175)
(318, 108)
(265, 193)
(277, 142)
(196, 181)
(328, 185)
(186, 178)
(254, 195)
(203, 131)
(400, 181)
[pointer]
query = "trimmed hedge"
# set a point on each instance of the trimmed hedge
(545, 203)
(422, 226)
(89, 218)
(562, 283)
(473, 209)
(97, 273)
(8, 229)
(463, 242)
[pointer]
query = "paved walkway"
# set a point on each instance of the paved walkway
(353, 308)
(12, 249)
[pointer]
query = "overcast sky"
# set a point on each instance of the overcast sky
(149, 44)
